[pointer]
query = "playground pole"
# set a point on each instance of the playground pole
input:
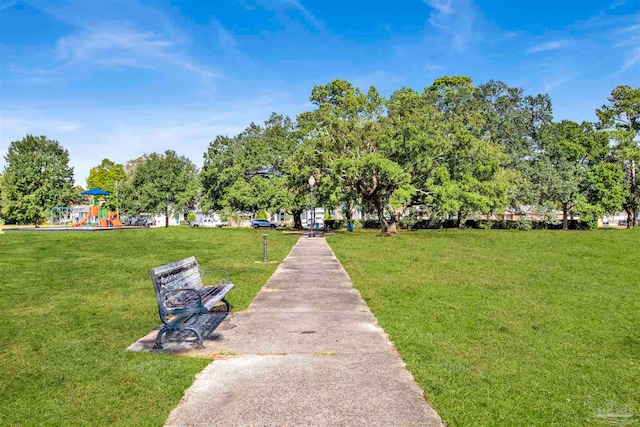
(117, 201)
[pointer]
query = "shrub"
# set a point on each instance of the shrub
(335, 224)
(191, 216)
(371, 223)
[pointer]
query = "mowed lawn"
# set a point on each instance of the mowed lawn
(73, 302)
(506, 327)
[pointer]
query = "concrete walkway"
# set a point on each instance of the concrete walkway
(309, 353)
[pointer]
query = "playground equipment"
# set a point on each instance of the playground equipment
(63, 214)
(85, 216)
(100, 218)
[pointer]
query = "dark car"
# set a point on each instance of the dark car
(257, 223)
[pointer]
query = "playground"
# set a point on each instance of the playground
(86, 216)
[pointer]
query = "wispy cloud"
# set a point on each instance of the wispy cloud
(455, 19)
(553, 83)
(629, 41)
(552, 45)
(127, 132)
(227, 42)
(319, 25)
(121, 45)
(630, 29)
(442, 6)
(433, 69)
(616, 4)
(632, 58)
(6, 5)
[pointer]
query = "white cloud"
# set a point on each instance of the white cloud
(631, 28)
(433, 69)
(552, 45)
(552, 84)
(7, 5)
(128, 132)
(442, 6)
(632, 59)
(455, 19)
(121, 45)
(319, 25)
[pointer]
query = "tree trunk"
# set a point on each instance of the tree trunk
(166, 217)
(460, 222)
(394, 215)
(384, 225)
(297, 219)
(565, 220)
(630, 217)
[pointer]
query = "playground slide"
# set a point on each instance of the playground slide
(116, 222)
(78, 224)
(103, 222)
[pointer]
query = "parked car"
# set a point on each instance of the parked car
(257, 223)
(207, 222)
(142, 221)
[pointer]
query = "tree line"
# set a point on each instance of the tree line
(455, 150)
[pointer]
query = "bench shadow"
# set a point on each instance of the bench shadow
(184, 342)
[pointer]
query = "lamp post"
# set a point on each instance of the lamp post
(312, 181)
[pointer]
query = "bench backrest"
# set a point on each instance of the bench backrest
(177, 275)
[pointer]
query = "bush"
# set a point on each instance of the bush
(371, 223)
(261, 214)
(191, 216)
(523, 225)
(335, 224)
(184, 222)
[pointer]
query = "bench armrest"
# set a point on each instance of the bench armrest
(166, 294)
(217, 271)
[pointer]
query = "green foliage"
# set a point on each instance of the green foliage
(261, 214)
(69, 315)
(504, 328)
(621, 122)
(107, 176)
(37, 177)
(160, 182)
(247, 173)
(191, 216)
(409, 220)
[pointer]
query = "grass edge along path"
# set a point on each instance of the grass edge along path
(506, 327)
(73, 302)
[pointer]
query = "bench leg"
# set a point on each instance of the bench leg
(194, 330)
(224, 300)
(158, 344)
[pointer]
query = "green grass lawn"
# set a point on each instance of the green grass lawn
(71, 304)
(505, 327)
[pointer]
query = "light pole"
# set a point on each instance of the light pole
(312, 181)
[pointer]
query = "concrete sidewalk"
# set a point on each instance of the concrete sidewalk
(309, 354)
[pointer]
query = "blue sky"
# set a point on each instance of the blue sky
(117, 79)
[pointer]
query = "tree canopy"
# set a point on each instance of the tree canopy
(455, 150)
(37, 177)
(621, 121)
(160, 183)
(247, 172)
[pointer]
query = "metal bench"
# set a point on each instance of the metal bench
(182, 297)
